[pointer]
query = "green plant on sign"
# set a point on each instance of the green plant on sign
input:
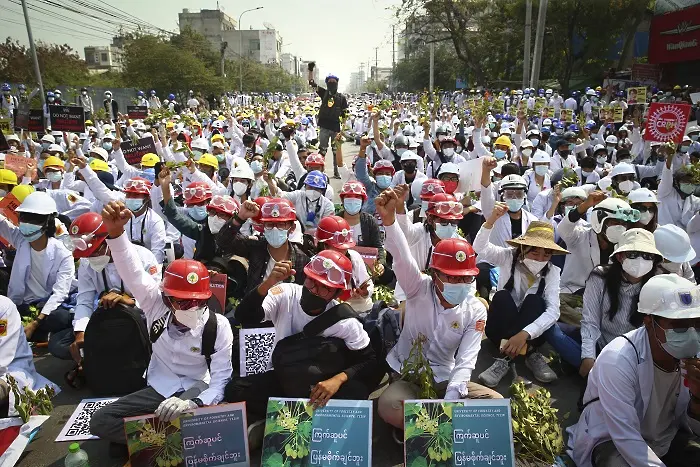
(28, 402)
(536, 430)
(428, 433)
(288, 428)
(154, 442)
(416, 369)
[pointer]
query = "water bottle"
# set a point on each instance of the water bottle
(76, 457)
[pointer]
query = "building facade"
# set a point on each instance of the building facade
(101, 59)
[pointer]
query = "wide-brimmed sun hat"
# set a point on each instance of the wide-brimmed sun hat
(541, 235)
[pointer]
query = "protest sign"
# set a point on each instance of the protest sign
(17, 164)
(5, 126)
(636, 95)
(67, 118)
(36, 120)
(666, 122)
(8, 206)
(77, 428)
(217, 284)
(134, 152)
(216, 436)
(618, 114)
(470, 176)
(566, 115)
(137, 111)
(22, 117)
(338, 434)
(477, 432)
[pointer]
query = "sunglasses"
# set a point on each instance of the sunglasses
(638, 254)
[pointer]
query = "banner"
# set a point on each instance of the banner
(675, 37)
(369, 254)
(137, 111)
(67, 118)
(666, 122)
(338, 434)
(134, 152)
(646, 73)
(461, 433)
(36, 120)
(636, 95)
(217, 284)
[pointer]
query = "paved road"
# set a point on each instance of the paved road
(43, 451)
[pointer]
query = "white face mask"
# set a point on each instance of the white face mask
(98, 263)
(215, 224)
(541, 170)
(534, 266)
(240, 188)
(626, 186)
(313, 195)
(527, 152)
(646, 217)
(637, 267)
(614, 233)
(189, 317)
(673, 268)
(448, 152)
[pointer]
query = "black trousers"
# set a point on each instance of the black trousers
(506, 319)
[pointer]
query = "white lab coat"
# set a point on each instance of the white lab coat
(302, 206)
(582, 241)
(533, 189)
(624, 385)
(502, 228)
(416, 185)
(176, 363)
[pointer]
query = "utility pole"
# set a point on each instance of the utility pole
(432, 67)
(37, 70)
(526, 55)
(539, 39)
(393, 57)
(224, 45)
(376, 60)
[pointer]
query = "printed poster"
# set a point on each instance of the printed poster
(636, 95)
(339, 434)
(470, 176)
(618, 114)
(473, 433)
(217, 284)
(137, 111)
(566, 115)
(666, 122)
(67, 118)
(134, 152)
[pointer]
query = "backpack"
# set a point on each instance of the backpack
(305, 358)
(116, 351)
(208, 334)
(382, 323)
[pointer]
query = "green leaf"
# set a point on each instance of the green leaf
(274, 460)
(411, 431)
(445, 430)
(411, 408)
(419, 462)
(304, 428)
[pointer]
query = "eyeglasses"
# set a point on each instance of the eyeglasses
(637, 254)
(178, 304)
(277, 210)
(445, 208)
(225, 203)
(324, 266)
(137, 184)
(195, 192)
(342, 236)
(450, 178)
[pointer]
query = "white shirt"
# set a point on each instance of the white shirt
(658, 426)
(176, 363)
(582, 243)
(570, 104)
(502, 228)
(303, 206)
(359, 276)
(533, 189)
(36, 290)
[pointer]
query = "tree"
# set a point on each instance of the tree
(414, 74)
(376, 86)
(59, 64)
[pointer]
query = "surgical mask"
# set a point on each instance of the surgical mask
(526, 152)
(149, 174)
(198, 213)
(51, 99)
(400, 151)
(499, 154)
(614, 233)
(256, 166)
(448, 152)
(383, 181)
(314, 195)
(601, 159)
(54, 176)
(559, 131)
(197, 154)
(220, 158)
(585, 174)
(514, 205)
(189, 317)
(451, 186)
(535, 142)
(454, 294)
(492, 125)
(107, 146)
(646, 217)
(215, 224)
(693, 137)
(626, 186)
(239, 188)
(683, 149)
(442, 137)
(572, 146)
(610, 149)
(30, 232)
(541, 170)
(459, 149)
(681, 345)
(98, 263)
(445, 231)
(276, 237)
(84, 93)
(3, 193)
(45, 145)
(134, 204)
(373, 145)
(352, 205)
(534, 266)
(567, 210)
(687, 188)
(637, 267)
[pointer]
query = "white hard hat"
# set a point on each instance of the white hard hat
(693, 129)
(100, 152)
(200, 143)
(526, 143)
(218, 144)
(512, 182)
(412, 156)
(12, 137)
(670, 296)
(574, 192)
(48, 139)
(673, 243)
(38, 202)
(548, 91)
(642, 195)
(590, 92)
(108, 137)
(55, 148)
(448, 168)
(486, 140)
(624, 128)
(412, 143)
(547, 122)
(533, 132)
(622, 169)
(241, 169)
(505, 131)
(598, 147)
(637, 240)
(499, 166)
(540, 157)
(612, 139)
(613, 208)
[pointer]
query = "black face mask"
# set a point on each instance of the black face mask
(545, 137)
(332, 87)
(409, 167)
(564, 153)
(310, 302)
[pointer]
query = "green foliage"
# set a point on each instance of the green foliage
(382, 293)
(416, 369)
(28, 402)
(59, 64)
(154, 442)
(428, 432)
(288, 429)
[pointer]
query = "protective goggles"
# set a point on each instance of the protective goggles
(195, 192)
(445, 208)
(83, 242)
(325, 267)
(227, 204)
(137, 185)
(275, 210)
(339, 237)
(355, 188)
(431, 188)
(626, 215)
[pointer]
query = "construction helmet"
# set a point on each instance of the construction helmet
(8, 177)
(187, 279)
(331, 268)
(87, 232)
(209, 160)
(335, 231)
(454, 257)
(98, 165)
(353, 189)
(54, 162)
(196, 192)
(149, 160)
(445, 206)
(277, 210)
(138, 185)
(38, 202)
(223, 204)
(22, 191)
(612, 208)
(430, 188)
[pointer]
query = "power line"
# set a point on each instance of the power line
(54, 28)
(78, 12)
(119, 13)
(54, 31)
(59, 17)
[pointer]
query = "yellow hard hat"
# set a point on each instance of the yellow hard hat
(221, 117)
(98, 165)
(289, 122)
(217, 137)
(169, 125)
(88, 123)
(677, 87)
(22, 191)
(8, 177)
(208, 159)
(55, 162)
(502, 140)
(149, 160)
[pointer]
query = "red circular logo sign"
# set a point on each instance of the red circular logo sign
(667, 122)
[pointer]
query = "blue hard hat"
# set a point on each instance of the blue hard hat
(171, 97)
(573, 127)
(559, 125)
(140, 93)
(541, 91)
(316, 179)
(153, 92)
(50, 94)
(6, 87)
(331, 76)
(304, 121)
(545, 129)
(498, 117)
(245, 121)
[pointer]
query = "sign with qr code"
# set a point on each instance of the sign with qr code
(78, 426)
(256, 347)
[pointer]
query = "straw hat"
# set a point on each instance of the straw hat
(637, 240)
(539, 234)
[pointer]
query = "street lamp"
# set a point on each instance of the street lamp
(240, 48)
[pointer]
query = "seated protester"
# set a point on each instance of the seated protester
(291, 307)
(430, 188)
(446, 154)
(623, 156)
(526, 305)
(242, 180)
(441, 309)
(17, 360)
(310, 204)
(334, 234)
(641, 406)
(8, 180)
(410, 175)
(313, 161)
(590, 245)
(644, 200)
(563, 201)
(179, 322)
(277, 217)
(401, 145)
(537, 178)
(365, 229)
(564, 156)
(260, 185)
(586, 173)
(207, 171)
(622, 180)
(543, 201)
(146, 228)
(98, 282)
(525, 149)
(612, 291)
(43, 269)
(674, 245)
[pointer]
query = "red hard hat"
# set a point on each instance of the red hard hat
(260, 201)
(354, 188)
(315, 159)
(277, 210)
(430, 188)
(330, 268)
(336, 232)
(223, 204)
(196, 192)
(187, 279)
(445, 206)
(384, 165)
(454, 257)
(138, 185)
(449, 139)
(87, 233)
